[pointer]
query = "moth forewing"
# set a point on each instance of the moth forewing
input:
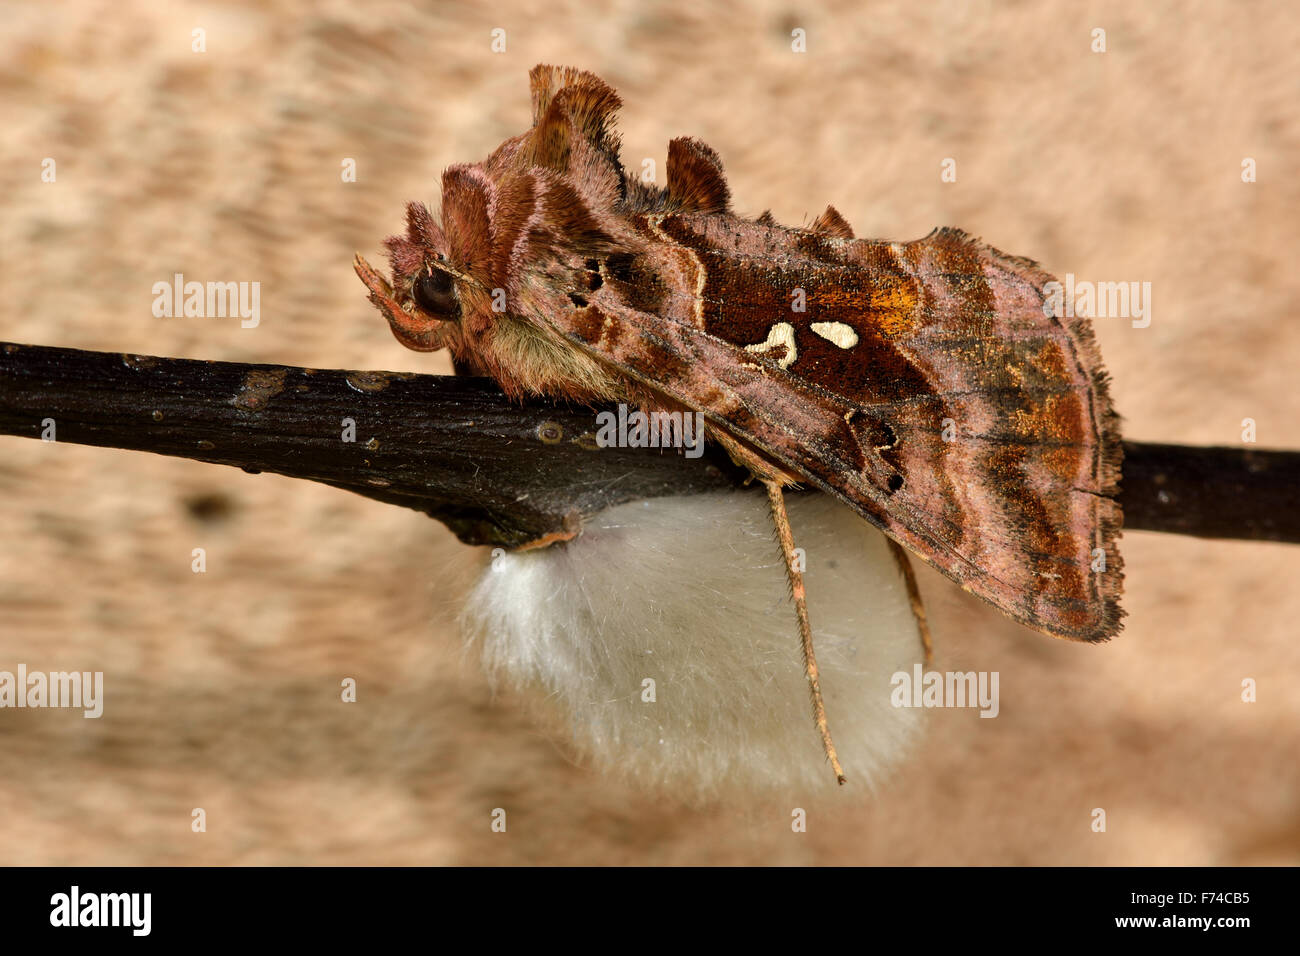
(1012, 515)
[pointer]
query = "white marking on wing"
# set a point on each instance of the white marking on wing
(836, 333)
(781, 334)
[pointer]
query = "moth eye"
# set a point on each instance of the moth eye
(433, 293)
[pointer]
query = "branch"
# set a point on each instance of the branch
(454, 448)
(495, 472)
(1214, 492)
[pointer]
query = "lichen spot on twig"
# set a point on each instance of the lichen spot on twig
(369, 381)
(260, 386)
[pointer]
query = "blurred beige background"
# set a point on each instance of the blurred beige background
(225, 165)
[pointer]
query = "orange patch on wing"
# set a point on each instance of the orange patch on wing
(894, 309)
(1059, 417)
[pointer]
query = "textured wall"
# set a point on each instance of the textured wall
(224, 165)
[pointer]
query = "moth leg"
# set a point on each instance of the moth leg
(774, 479)
(914, 595)
(776, 498)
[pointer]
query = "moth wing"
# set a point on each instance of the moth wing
(1022, 518)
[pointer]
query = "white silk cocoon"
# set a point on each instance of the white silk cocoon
(690, 594)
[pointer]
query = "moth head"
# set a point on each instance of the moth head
(514, 247)
(422, 303)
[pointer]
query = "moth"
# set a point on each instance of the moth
(926, 384)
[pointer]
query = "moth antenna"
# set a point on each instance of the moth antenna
(831, 223)
(913, 595)
(776, 498)
(695, 177)
(443, 266)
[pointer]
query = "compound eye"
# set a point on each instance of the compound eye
(433, 293)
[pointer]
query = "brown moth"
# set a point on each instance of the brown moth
(924, 383)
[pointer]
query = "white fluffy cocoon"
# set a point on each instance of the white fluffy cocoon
(690, 593)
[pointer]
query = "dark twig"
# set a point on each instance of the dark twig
(455, 448)
(493, 471)
(1215, 492)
